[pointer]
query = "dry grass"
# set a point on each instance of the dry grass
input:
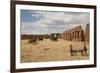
(47, 50)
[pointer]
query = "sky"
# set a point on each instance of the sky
(47, 22)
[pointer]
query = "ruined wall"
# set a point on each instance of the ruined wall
(74, 34)
(87, 31)
(24, 37)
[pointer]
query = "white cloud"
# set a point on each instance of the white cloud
(35, 15)
(54, 21)
(23, 27)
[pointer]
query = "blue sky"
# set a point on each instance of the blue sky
(46, 22)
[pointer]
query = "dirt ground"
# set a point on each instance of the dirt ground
(48, 50)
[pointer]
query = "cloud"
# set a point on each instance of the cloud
(49, 21)
(33, 15)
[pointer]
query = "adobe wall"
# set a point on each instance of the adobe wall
(87, 31)
(74, 34)
(25, 37)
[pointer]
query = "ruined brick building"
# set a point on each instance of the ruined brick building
(87, 31)
(76, 34)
